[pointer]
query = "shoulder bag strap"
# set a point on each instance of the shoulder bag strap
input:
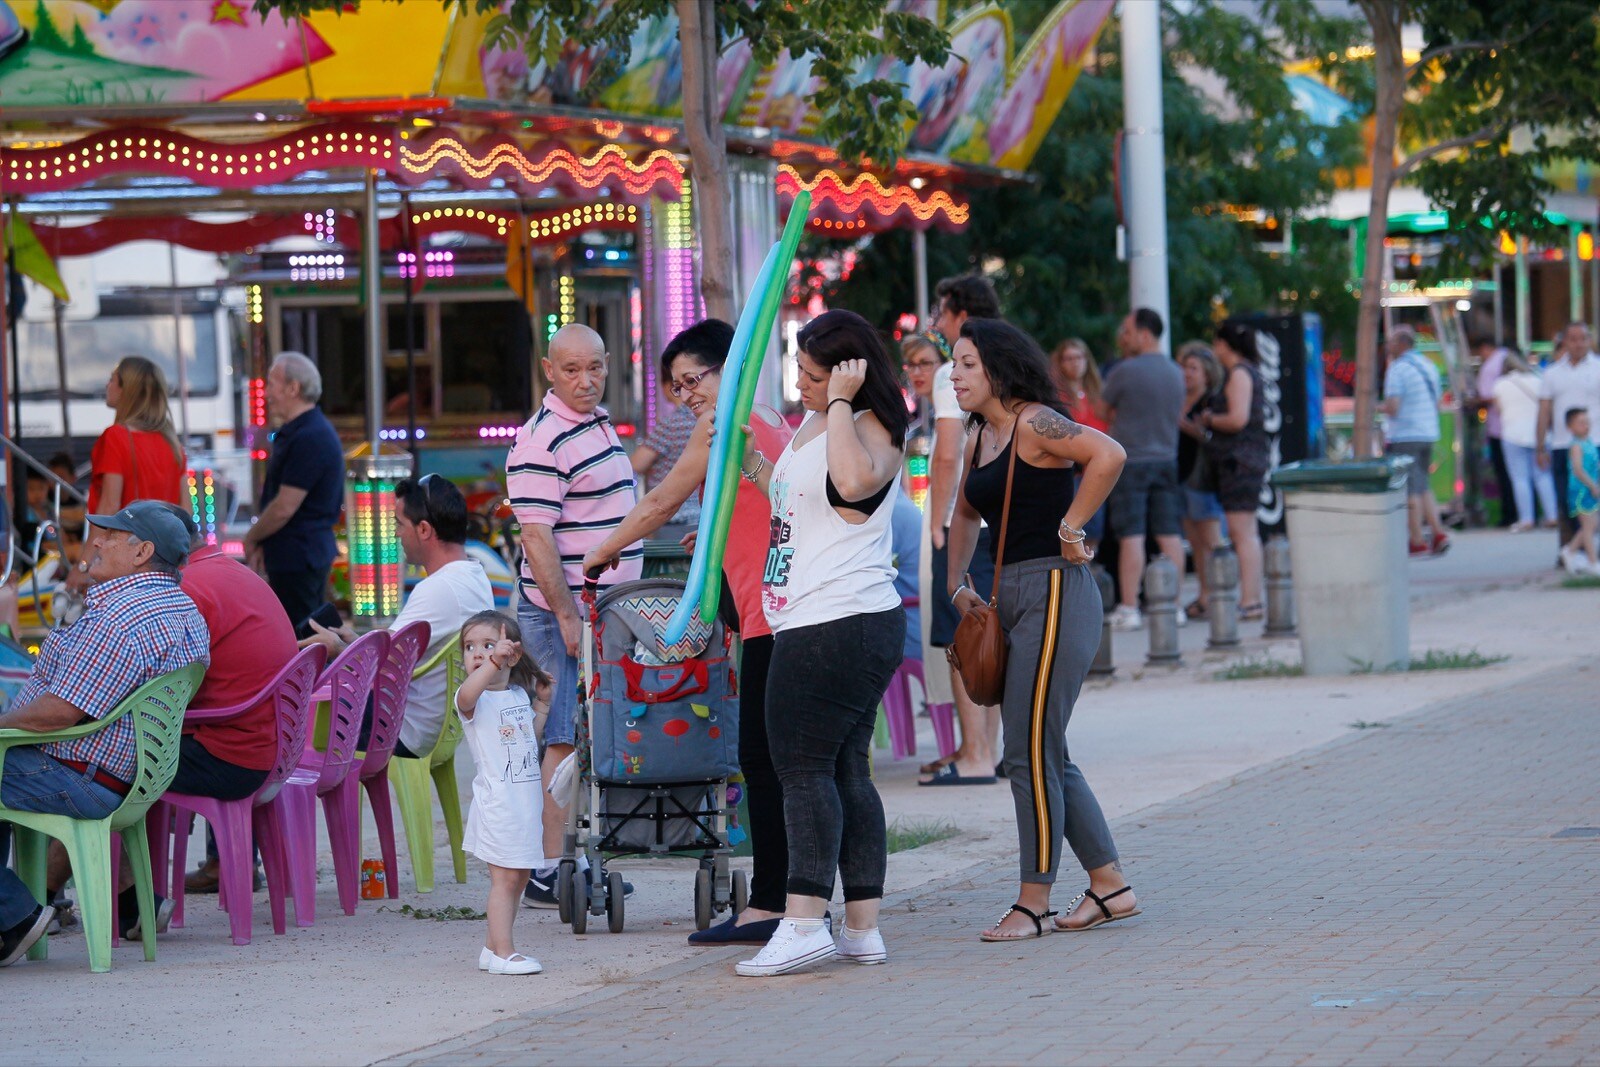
(1005, 515)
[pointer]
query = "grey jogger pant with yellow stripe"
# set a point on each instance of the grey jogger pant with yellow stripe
(1051, 612)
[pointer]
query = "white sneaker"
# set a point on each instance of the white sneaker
(862, 946)
(1125, 618)
(1570, 561)
(1182, 617)
(516, 963)
(789, 950)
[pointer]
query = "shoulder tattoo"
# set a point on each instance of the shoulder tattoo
(1053, 425)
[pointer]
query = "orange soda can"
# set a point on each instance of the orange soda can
(372, 880)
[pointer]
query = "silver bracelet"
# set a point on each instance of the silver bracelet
(1065, 528)
(751, 476)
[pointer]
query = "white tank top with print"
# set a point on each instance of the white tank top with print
(821, 568)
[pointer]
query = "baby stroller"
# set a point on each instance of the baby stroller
(657, 739)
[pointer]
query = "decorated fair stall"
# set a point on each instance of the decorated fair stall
(418, 211)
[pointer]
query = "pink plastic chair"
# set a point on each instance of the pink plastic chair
(943, 717)
(240, 824)
(388, 712)
(897, 709)
(348, 682)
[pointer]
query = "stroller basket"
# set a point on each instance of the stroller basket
(657, 819)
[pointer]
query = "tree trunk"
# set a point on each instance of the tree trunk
(1385, 17)
(708, 155)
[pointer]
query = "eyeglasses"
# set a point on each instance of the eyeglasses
(920, 364)
(690, 381)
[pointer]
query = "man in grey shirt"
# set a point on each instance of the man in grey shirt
(1144, 392)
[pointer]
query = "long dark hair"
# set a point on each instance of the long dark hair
(838, 335)
(525, 672)
(1016, 365)
(1239, 336)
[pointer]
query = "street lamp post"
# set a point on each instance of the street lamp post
(1145, 159)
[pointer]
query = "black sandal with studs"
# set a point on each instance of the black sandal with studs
(1039, 927)
(1106, 915)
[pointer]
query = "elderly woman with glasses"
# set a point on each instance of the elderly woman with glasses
(691, 364)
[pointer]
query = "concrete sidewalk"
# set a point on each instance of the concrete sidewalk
(381, 983)
(1404, 893)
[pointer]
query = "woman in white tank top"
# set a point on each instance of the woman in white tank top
(839, 633)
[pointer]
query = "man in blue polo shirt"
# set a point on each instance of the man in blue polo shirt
(1411, 391)
(292, 541)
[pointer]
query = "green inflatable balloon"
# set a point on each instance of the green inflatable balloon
(749, 375)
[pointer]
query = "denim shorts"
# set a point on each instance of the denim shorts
(1146, 500)
(541, 636)
(1201, 506)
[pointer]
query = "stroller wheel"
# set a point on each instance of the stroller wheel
(564, 878)
(741, 892)
(580, 906)
(702, 899)
(615, 895)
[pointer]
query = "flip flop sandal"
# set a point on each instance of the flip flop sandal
(1251, 613)
(1039, 927)
(948, 775)
(1196, 609)
(935, 766)
(1105, 916)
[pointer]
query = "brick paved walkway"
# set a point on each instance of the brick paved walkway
(1395, 896)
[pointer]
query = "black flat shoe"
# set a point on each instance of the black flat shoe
(729, 932)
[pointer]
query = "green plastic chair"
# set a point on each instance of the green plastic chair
(410, 776)
(157, 708)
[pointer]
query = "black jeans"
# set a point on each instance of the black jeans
(300, 591)
(823, 691)
(763, 791)
(203, 775)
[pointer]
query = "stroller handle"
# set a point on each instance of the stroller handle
(591, 584)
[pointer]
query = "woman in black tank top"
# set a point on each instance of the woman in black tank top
(1049, 607)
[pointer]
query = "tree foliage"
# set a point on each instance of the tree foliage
(1233, 136)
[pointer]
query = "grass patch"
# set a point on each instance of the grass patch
(1436, 659)
(450, 913)
(907, 834)
(1261, 667)
(1581, 581)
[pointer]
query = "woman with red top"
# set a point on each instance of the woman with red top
(1078, 383)
(692, 365)
(138, 457)
(1079, 378)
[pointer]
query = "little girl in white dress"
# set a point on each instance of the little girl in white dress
(503, 825)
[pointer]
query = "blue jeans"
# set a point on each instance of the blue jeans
(541, 636)
(34, 782)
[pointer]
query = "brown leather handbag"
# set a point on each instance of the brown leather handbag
(978, 651)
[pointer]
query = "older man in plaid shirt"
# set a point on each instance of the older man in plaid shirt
(137, 625)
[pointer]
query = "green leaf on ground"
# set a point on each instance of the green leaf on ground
(450, 913)
(1258, 667)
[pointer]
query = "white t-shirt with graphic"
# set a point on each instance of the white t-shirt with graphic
(503, 824)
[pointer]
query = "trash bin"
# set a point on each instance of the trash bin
(1348, 556)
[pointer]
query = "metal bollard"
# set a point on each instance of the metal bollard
(1103, 667)
(1280, 588)
(1161, 611)
(1222, 597)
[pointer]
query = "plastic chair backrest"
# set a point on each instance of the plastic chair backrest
(349, 679)
(156, 709)
(290, 693)
(389, 694)
(447, 659)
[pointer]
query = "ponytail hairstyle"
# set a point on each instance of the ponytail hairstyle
(144, 405)
(838, 335)
(526, 673)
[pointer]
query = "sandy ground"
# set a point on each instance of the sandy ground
(360, 988)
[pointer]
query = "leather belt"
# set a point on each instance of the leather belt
(99, 777)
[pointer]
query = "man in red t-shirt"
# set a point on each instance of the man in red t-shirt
(251, 641)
